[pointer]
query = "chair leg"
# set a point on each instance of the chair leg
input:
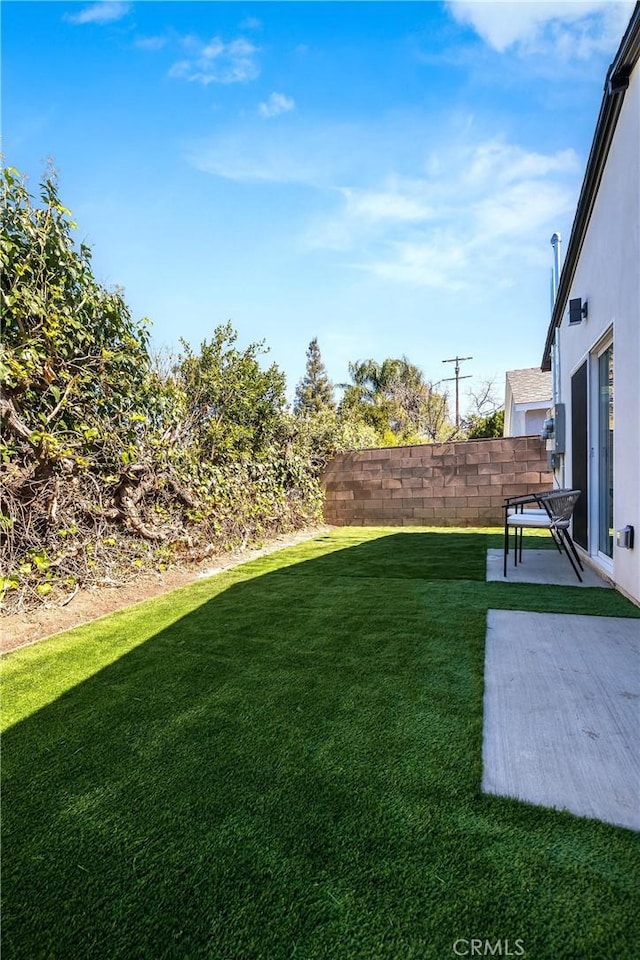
(556, 540)
(506, 540)
(569, 539)
(564, 536)
(521, 539)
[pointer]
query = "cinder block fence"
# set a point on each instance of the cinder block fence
(462, 483)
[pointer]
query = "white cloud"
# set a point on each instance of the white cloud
(234, 159)
(476, 208)
(367, 216)
(520, 212)
(439, 263)
(276, 104)
(151, 43)
(568, 28)
(217, 62)
(465, 212)
(385, 206)
(495, 159)
(251, 23)
(317, 157)
(104, 11)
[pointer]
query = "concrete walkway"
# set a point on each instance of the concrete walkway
(540, 566)
(562, 713)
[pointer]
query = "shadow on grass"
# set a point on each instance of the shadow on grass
(407, 555)
(292, 769)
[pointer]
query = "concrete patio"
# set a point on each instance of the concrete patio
(562, 712)
(540, 566)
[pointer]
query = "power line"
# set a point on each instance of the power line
(457, 378)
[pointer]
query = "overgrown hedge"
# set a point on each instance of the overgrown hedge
(113, 462)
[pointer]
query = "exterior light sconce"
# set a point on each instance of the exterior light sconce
(578, 311)
(624, 538)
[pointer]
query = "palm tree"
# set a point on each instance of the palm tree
(390, 395)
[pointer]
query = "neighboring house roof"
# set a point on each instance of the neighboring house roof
(615, 86)
(529, 386)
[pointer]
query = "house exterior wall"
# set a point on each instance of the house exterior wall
(608, 278)
(462, 483)
(534, 417)
(526, 419)
(509, 409)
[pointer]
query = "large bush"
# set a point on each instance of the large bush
(110, 463)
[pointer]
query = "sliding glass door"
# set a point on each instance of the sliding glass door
(605, 452)
(580, 453)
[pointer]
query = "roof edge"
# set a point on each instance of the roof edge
(616, 83)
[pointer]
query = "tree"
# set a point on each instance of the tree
(485, 419)
(111, 460)
(235, 408)
(74, 367)
(483, 399)
(485, 428)
(73, 361)
(315, 390)
(434, 422)
(394, 398)
(375, 391)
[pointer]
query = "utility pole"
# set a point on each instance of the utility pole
(457, 378)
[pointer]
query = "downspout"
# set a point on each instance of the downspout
(556, 240)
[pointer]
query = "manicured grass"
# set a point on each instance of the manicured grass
(285, 761)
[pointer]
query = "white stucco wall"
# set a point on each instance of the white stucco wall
(507, 430)
(608, 278)
(534, 417)
(526, 419)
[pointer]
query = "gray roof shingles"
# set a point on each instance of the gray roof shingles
(530, 386)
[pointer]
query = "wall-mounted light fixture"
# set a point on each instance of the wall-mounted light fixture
(578, 311)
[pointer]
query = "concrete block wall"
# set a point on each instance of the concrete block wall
(462, 483)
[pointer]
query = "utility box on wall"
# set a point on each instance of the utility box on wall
(554, 430)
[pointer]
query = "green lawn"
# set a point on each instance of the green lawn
(284, 761)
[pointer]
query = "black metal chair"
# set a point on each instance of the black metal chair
(550, 511)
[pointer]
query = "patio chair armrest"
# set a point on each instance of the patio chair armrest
(520, 502)
(529, 498)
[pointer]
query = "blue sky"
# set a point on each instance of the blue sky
(385, 176)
